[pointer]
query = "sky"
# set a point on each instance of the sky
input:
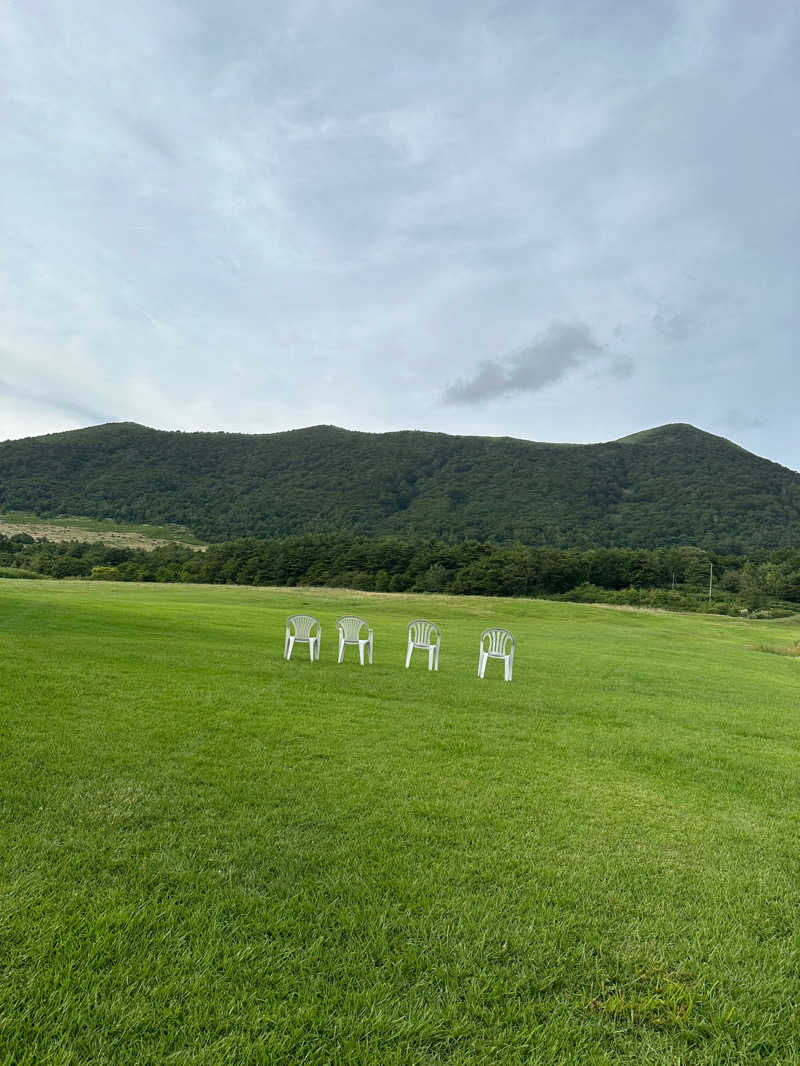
(561, 221)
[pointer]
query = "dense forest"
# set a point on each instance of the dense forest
(669, 486)
(675, 578)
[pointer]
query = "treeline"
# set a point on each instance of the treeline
(669, 577)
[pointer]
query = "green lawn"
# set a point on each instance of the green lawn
(208, 855)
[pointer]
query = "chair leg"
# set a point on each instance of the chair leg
(311, 645)
(361, 652)
(408, 654)
(481, 663)
(289, 646)
(370, 651)
(341, 649)
(431, 653)
(436, 658)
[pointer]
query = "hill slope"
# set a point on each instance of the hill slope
(671, 485)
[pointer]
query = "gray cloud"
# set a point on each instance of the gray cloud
(564, 347)
(677, 327)
(62, 404)
(739, 421)
(621, 367)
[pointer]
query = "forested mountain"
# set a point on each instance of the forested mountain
(671, 485)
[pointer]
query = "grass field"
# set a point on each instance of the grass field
(210, 856)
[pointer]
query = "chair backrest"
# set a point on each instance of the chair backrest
(498, 641)
(350, 626)
(302, 624)
(423, 632)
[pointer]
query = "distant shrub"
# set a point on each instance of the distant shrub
(792, 650)
(105, 573)
(19, 572)
(668, 600)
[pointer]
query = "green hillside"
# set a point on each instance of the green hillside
(671, 485)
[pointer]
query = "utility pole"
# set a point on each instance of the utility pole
(710, 578)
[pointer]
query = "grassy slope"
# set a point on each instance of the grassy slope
(209, 855)
(102, 526)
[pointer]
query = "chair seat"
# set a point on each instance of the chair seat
(496, 644)
(425, 635)
(300, 629)
(350, 629)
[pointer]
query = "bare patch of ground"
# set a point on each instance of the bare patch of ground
(54, 532)
(632, 607)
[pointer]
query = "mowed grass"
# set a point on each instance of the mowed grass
(209, 855)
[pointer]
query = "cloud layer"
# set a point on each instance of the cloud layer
(564, 347)
(261, 217)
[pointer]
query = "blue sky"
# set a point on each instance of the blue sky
(561, 221)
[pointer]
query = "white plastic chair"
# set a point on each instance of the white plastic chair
(426, 635)
(350, 629)
(300, 630)
(496, 644)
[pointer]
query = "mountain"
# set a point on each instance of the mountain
(672, 485)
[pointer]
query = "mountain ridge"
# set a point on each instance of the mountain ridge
(638, 436)
(666, 485)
